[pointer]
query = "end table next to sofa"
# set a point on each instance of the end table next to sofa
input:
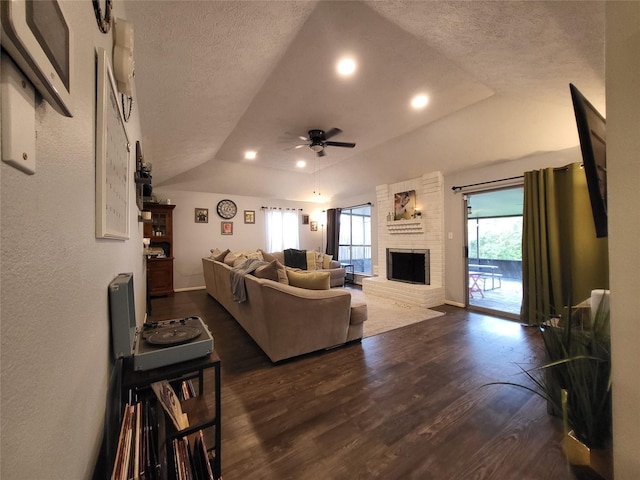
(349, 276)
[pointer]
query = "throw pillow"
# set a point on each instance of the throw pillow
(320, 260)
(230, 258)
(295, 258)
(282, 273)
(270, 271)
(221, 256)
(311, 260)
(326, 261)
(267, 256)
(240, 259)
(257, 255)
(310, 281)
(214, 253)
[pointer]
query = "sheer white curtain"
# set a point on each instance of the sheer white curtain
(281, 229)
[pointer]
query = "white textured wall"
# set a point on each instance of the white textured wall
(623, 169)
(192, 241)
(54, 277)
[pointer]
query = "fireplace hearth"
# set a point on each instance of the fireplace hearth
(408, 265)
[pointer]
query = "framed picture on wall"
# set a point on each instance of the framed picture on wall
(249, 216)
(112, 157)
(305, 219)
(226, 228)
(202, 215)
(314, 226)
(404, 205)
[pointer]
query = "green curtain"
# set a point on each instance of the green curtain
(541, 277)
(562, 259)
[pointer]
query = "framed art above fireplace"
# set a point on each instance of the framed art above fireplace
(404, 205)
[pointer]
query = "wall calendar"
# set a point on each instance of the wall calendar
(112, 157)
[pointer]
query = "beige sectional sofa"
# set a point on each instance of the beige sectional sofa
(287, 321)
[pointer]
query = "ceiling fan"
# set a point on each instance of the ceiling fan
(317, 140)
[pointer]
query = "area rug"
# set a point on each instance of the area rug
(385, 314)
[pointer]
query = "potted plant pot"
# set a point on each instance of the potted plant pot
(599, 461)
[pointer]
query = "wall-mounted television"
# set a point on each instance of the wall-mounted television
(593, 144)
(37, 36)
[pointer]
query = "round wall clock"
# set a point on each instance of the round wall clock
(227, 209)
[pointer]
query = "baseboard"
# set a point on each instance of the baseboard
(455, 304)
(188, 289)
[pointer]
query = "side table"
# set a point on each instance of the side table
(349, 273)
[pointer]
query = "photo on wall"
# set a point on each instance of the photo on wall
(404, 205)
(202, 215)
(226, 228)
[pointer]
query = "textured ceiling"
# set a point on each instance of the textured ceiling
(214, 79)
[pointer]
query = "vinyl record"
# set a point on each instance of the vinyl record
(172, 335)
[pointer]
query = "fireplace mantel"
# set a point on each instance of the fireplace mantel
(414, 225)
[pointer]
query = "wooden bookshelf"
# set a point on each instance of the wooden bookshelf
(203, 410)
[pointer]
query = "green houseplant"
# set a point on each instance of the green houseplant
(576, 380)
(579, 361)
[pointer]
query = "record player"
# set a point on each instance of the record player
(156, 344)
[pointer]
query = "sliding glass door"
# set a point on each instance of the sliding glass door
(494, 251)
(355, 238)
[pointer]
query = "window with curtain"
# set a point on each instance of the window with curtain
(355, 238)
(281, 229)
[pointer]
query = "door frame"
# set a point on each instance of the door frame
(468, 305)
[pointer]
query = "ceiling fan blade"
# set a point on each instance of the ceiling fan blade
(331, 133)
(291, 147)
(292, 136)
(341, 144)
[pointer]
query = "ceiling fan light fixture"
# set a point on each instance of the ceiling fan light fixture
(316, 147)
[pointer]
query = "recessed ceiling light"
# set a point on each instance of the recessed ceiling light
(346, 67)
(250, 155)
(301, 164)
(419, 101)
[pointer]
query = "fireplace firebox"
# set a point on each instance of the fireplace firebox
(408, 265)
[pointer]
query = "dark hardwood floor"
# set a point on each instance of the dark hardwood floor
(407, 404)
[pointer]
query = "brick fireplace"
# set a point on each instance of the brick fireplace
(416, 234)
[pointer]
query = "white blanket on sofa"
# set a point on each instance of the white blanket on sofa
(236, 278)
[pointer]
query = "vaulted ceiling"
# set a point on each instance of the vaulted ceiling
(215, 79)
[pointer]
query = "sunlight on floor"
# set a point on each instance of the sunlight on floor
(505, 328)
